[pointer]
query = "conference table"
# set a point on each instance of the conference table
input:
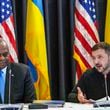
(66, 106)
(71, 106)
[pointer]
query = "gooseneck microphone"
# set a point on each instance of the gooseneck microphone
(9, 92)
(106, 88)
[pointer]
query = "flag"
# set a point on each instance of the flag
(107, 24)
(7, 31)
(86, 34)
(36, 48)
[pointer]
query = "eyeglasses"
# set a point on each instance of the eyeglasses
(5, 54)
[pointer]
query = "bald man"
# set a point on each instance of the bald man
(18, 85)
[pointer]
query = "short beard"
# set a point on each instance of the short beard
(106, 70)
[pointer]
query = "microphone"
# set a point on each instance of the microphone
(9, 92)
(105, 103)
(106, 88)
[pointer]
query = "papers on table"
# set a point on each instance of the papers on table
(103, 102)
(11, 106)
(50, 103)
(77, 106)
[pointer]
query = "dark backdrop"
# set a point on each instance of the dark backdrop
(59, 24)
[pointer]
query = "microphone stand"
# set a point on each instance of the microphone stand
(106, 89)
(9, 100)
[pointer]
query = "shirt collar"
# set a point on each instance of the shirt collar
(4, 72)
(4, 69)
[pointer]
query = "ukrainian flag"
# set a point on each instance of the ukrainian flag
(35, 47)
(107, 24)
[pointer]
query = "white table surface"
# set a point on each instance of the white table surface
(72, 106)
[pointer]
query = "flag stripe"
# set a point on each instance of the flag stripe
(12, 22)
(38, 3)
(11, 49)
(86, 26)
(82, 11)
(86, 34)
(107, 23)
(78, 69)
(7, 28)
(83, 40)
(83, 52)
(80, 62)
(82, 57)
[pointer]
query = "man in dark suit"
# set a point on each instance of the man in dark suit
(18, 85)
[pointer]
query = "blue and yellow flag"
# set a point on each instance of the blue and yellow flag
(35, 47)
(107, 24)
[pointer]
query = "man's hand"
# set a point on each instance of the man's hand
(81, 96)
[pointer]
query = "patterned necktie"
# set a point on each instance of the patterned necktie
(2, 85)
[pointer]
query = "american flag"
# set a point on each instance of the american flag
(86, 34)
(7, 27)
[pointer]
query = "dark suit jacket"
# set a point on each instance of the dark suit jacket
(22, 88)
